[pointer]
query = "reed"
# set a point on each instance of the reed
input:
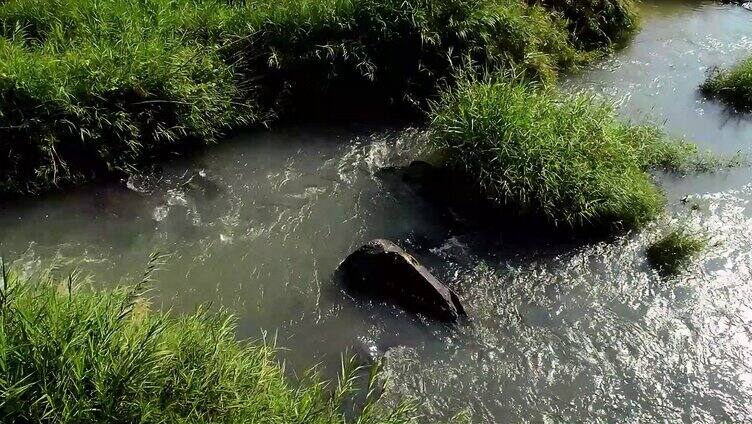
(596, 23)
(562, 156)
(69, 354)
(673, 251)
(733, 86)
(100, 88)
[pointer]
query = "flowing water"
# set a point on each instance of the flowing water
(562, 330)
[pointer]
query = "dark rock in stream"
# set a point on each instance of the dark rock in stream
(384, 270)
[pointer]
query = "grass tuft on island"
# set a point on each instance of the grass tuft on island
(69, 354)
(563, 156)
(733, 86)
(674, 251)
(99, 88)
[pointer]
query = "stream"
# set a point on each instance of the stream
(562, 330)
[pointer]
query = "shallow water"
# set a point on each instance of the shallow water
(562, 330)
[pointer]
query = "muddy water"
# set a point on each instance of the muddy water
(563, 330)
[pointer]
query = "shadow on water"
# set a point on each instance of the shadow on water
(487, 231)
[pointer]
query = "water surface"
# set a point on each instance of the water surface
(562, 330)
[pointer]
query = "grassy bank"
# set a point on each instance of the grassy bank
(72, 355)
(561, 156)
(596, 23)
(93, 88)
(733, 86)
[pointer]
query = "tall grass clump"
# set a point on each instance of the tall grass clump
(596, 23)
(732, 86)
(69, 354)
(96, 88)
(674, 251)
(562, 156)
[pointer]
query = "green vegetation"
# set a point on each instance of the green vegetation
(94, 88)
(73, 355)
(563, 156)
(597, 23)
(674, 251)
(733, 86)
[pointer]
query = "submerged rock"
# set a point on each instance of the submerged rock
(384, 270)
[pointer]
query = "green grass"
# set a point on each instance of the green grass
(732, 86)
(674, 251)
(96, 88)
(562, 156)
(597, 23)
(69, 354)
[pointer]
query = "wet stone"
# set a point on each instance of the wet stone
(383, 270)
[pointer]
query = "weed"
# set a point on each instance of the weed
(69, 354)
(99, 88)
(673, 251)
(563, 156)
(733, 86)
(597, 23)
